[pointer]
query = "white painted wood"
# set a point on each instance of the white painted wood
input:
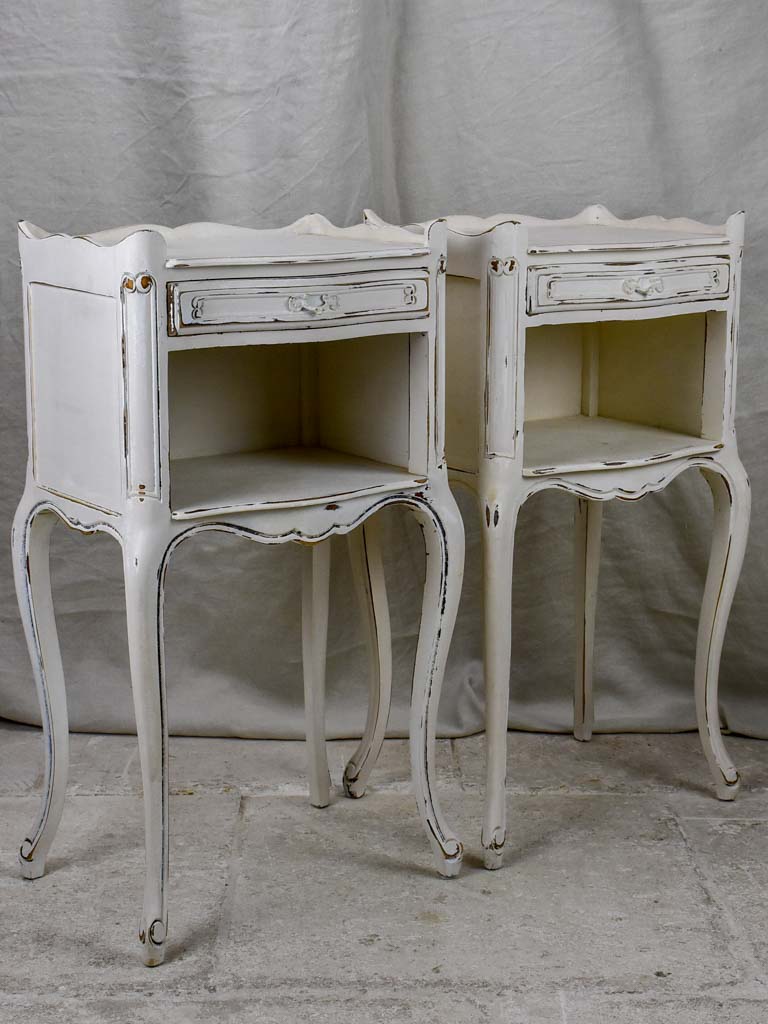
(589, 518)
(444, 541)
(464, 381)
(621, 336)
(571, 444)
(314, 618)
(501, 357)
(30, 544)
(250, 399)
(280, 478)
(601, 237)
(500, 511)
(579, 285)
(144, 565)
(310, 239)
(597, 228)
(77, 431)
(365, 547)
(554, 362)
(731, 496)
(237, 303)
(156, 438)
(650, 373)
(140, 381)
(363, 396)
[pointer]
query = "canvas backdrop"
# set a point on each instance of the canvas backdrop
(256, 113)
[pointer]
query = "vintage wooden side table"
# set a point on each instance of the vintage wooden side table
(597, 356)
(281, 385)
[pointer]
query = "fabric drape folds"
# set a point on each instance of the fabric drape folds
(258, 113)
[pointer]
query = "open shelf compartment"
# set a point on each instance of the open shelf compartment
(285, 426)
(623, 393)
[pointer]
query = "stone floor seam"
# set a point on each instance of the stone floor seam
(736, 942)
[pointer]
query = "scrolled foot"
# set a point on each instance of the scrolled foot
(493, 851)
(31, 866)
(353, 787)
(152, 941)
(726, 790)
(493, 858)
(449, 864)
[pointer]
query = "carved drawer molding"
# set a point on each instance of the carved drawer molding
(250, 303)
(586, 286)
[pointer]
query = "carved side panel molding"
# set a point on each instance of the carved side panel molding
(138, 295)
(500, 357)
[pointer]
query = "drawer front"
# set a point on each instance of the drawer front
(247, 304)
(583, 286)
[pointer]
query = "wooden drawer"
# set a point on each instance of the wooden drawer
(245, 304)
(586, 286)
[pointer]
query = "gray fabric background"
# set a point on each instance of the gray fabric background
(256, 113)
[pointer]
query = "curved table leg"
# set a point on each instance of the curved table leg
(368, 572)
(444, 541)
(31, 568)
(144, 566)
(731, 496)
(499, 524)
(589, 520)
(314, 635)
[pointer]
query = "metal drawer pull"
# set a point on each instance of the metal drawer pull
(315, 304)
(644, 286)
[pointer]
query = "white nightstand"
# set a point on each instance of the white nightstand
(282, 385)
(597, 356)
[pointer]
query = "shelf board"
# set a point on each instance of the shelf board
(278, 478)
(572, 444)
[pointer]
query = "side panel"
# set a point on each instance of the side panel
(363, 398)
(653, 374)
(501, 357)
(553, 371)
(464, 366)
(234, 399)
(77, 401)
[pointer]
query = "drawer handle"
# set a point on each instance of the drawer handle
(644, 286)
(315, 304)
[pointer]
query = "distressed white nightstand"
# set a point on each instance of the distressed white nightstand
(598, 356)
(281, 385)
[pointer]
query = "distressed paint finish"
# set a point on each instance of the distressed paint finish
(589, 519)
(601, 274)
(132, 273)
(314, 622)
(368, 572)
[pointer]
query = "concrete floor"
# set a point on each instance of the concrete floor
(629, 894)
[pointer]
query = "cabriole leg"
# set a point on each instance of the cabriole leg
(144, 572)
(368, 572)
(731, 497)
(444, 541)
(31, 568)
(316, 583)
(589, 520)
(498, 545)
